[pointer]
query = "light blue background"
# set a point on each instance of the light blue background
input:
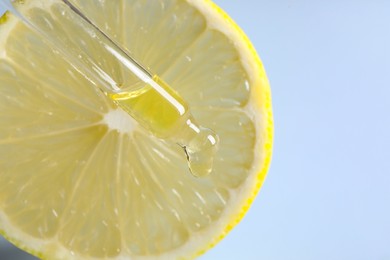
(327, 195)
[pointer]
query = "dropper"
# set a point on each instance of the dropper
(142, 94)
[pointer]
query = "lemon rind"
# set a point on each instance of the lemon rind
(261, 98)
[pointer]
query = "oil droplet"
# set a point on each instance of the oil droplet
(200, 145)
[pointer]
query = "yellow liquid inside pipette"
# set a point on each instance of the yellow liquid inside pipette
(151, 109)
(170, 119)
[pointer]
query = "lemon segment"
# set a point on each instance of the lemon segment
(80, 179)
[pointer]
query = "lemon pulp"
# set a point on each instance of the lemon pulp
(80, 180)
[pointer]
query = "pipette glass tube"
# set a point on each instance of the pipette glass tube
(137, 91)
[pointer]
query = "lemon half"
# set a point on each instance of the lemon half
(80, 179)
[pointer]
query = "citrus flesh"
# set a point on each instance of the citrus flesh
(80, 179)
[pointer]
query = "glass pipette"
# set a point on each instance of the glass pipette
(140, 93)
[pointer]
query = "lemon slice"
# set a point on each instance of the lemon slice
(80, 179)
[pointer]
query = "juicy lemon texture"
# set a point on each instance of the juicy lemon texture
(80, 179)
